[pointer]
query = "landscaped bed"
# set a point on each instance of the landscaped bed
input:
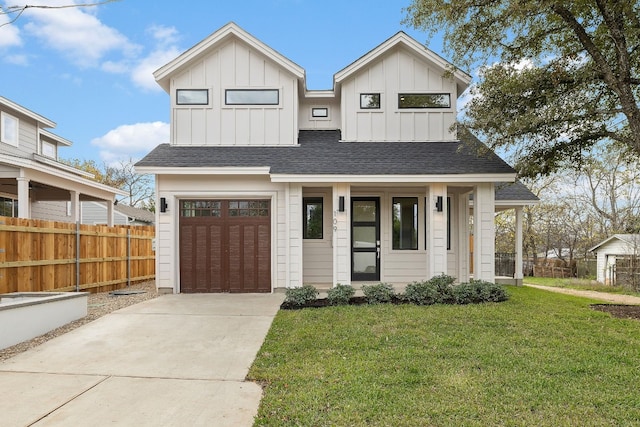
(537, 359)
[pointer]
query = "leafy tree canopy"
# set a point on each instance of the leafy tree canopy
(558, 77)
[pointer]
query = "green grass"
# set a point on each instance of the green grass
(581, 284)
(538, 359)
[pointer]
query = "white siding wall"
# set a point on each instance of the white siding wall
(293, 194)
(27, 137)
(484, 232)
(605, 255)
(318, 253)
(96, 213)
(50, 211)
(399, 71)
(341, 236)
(235, 65)
(174, 188)
(306, 121)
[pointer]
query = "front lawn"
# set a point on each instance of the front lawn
(581, 284)
(540, 359)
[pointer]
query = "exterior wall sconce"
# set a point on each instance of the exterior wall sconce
(341, 204)
(163, 204)
(438, 200)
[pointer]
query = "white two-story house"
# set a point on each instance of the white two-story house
(34, 184)
(268, 185)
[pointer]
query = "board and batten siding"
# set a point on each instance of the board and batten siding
(307, 122)
(317, 254)
(235, 65)
(399, 71)
(284, 206)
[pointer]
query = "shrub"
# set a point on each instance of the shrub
(377, 294)
(340, 294)
(301, 295)
(444, 286)
(478, 291)
(421, 293)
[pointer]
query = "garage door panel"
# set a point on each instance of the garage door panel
(225, 246)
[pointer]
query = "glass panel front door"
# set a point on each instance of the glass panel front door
(365, 238)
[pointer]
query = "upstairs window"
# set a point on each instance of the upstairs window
(48, 150)
(252, 97)
(424, 100)
(192, 97)
(312, 221)
(405, 223)
(320, 112)
(369, 101)
(8, 129)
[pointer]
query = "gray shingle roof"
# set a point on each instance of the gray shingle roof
(136, 213)
(321, 153)
(514, 191)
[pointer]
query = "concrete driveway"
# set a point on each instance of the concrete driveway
(177, 360)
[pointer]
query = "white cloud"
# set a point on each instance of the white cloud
(17, 59)
(77, 33)
(9, 33)
(164, 51)
(131, 141)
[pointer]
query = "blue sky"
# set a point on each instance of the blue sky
(89, 69)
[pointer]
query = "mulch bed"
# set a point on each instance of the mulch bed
(324, 302)
(619, 310)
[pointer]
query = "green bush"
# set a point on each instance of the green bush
(421, 293)
(443, 284)
(340, 294)
(301, 295)
(378, 294)
(478, 291)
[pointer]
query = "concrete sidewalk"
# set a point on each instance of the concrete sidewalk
(177, 360)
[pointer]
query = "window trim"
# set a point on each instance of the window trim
(321, 117)
(405, 94)
(305, 230)
(193, 104)
(416, 223)
(378, 94)
(16, 126)
(240, 104)
(43, 144)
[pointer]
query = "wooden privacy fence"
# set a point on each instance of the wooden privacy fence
(40, 255)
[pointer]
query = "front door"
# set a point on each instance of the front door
(365, 238)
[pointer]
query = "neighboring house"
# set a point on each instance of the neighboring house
(96, 213)
(30, 171)
(612, 249)
(268, 185)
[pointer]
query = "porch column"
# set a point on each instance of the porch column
(294, 235)
(437, 230)
(341, 235)
(518, 276)
(109, 213)
(484, 232)
(463, 233)
(24, 203)
(75, 206)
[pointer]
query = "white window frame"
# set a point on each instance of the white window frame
(51, 145)
(10, 138)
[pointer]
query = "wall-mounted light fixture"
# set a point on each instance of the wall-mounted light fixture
(163, 204)
(341, 204)
(438, 200)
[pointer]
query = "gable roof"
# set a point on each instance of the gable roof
(4, 102)
(322, 153)
(135, 213)
(631, 239)
(164, 73)
(462, 79)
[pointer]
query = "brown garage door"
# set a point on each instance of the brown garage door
(225, 246)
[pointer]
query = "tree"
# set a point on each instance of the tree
(122, 176)
(14, 12)
(566, 77)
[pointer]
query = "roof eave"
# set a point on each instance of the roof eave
(164, 73)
